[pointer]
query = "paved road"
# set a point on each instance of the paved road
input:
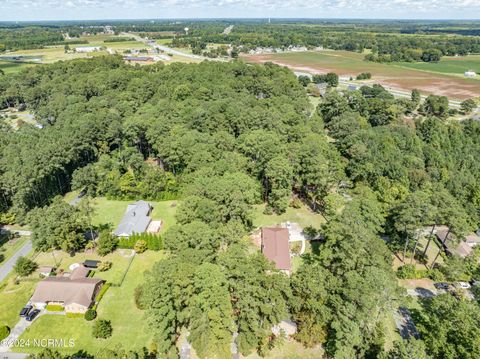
(7, 267)
(16, 332)
(163, 48)
(13, 355)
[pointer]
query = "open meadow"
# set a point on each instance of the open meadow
(442, 78)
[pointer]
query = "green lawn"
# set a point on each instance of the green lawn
(14, 297)
(112, 211)
(303, 216)
(291, 350)
(129, 327)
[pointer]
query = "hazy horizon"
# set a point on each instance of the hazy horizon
(62, 10)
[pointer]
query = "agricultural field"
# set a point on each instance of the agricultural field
(117, 305)
(443, 78)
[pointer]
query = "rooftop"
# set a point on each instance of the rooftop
(135, 220)
(276, 247)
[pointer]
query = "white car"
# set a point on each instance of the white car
(463, 285)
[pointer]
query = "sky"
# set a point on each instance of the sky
(28, 10)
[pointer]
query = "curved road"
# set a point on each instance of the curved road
(7, 267)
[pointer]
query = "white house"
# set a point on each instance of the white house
(87, 48)
(470, 73)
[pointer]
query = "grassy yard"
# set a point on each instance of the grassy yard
(304, 216)
(14, 297)
(291, 350)
(129, 327)
(62, 260)
(112, 211)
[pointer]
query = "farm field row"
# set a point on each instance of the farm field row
(443, 78)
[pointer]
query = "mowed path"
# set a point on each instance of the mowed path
(400, 77)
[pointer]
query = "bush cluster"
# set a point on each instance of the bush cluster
(4, 332)
(154, 241)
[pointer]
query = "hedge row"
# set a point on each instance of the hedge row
(54, 308)
(154, 241)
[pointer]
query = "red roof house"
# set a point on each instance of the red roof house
(276, 247)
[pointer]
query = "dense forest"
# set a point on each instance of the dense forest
(224, 137)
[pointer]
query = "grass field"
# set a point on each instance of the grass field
(112, 211)
(129, 327)
(455, 66)
(303, 216)
(443, 78)
(9, 67)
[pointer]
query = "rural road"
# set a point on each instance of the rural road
(163, 48)
(7, 267)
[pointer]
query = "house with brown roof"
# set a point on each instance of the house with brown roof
(453, 246)
(276, 247)
(76, 292)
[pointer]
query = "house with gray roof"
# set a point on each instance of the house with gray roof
(135, 220)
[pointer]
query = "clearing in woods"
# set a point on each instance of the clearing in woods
(443, 78)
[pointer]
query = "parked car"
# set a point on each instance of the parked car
(441, 285)
(33, 314)
(24, 312)
(462, 285)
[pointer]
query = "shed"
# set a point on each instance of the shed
(89, 263)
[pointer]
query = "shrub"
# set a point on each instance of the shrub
(140, 246)
(104, 266)
(364, 76)
(102, 329)
(90, 314)
(102, 292)
(138, 294)
(25, 266)
(154, 241)
(107, 242)
(436, 275)
(54, 308)
(296, 203)
(406, 271)
(4, 332)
